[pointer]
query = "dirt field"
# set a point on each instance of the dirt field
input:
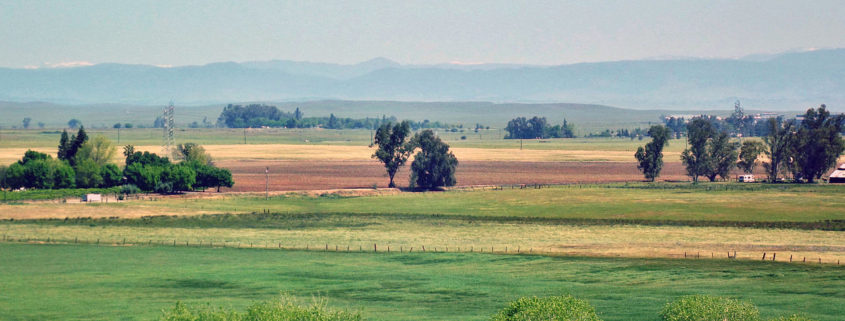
(298, 175)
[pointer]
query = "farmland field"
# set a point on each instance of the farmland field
(593, 230)
(137, 282)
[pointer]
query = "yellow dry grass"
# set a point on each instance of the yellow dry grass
(364, 153)
(621, 241)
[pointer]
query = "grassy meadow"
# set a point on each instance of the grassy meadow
(137, 282)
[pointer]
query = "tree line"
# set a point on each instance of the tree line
(86, 163)
(803, 150)
(538, 127)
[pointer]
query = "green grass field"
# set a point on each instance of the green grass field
(634, 201)
(67, 282)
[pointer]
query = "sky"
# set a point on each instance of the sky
(41, 34)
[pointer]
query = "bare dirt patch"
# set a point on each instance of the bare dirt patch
(249, 175)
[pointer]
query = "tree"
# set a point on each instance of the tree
(696, 157)
(818, 144)
(722, 156)
(100, 150)
(434, 165)
(64, 176)
(64, 145)
(333, 124)
(127, 126)
(159, 122)
(73, 123)
(393, 150)
(3, 170)
(297, 114)
(117, 125)
(192, 152)
(26, 122)
(748, 155)
(222, 177)
(650, 158)
(777, 144)
(16, 176)
(181, 176)
(76, 142)
(112, 175)
(88, 174)
(41, 125)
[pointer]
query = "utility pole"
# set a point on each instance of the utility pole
(118, 134)
(244, 135)
(267, 184)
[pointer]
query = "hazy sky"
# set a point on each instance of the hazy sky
(33, 33)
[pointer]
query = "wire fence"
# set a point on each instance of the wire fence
(376, 248)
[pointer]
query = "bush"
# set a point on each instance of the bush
(129, 189)
(285, 309)
(559, 308)
(704, 308)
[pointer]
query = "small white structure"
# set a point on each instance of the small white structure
(91, 198)
(748, 178)
(838, 176)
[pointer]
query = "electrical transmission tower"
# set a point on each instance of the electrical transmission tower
(168, 143)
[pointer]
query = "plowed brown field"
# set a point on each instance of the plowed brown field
(319, 175)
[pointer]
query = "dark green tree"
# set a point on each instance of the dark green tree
(722, 158)
(749, 152)
(434, 165)
(16, 176)
(393, 149)
(73, 123)
(222, 177)
(88, 174)
(64, 176)
(112, 175)
(777, 144)
(26, 122)
(117, 125)
(650, 158)
(297, 114)
(76, 142)
(696, 156)
(181, 176)
(819, 143)
(64, 144)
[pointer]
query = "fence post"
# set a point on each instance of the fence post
(764, 255)
(375, 247)
(774, 256)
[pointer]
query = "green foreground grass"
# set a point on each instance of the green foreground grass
(48, 282)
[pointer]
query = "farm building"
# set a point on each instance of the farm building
(838, 176)
(91, 198)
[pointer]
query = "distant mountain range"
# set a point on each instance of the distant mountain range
(787, 81)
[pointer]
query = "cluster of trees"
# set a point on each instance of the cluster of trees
(738, 124)
(196, 170)
(607, 133)
(81, 163)
(86, 163)
(258, 115)
(804, 150)
(433, 166)
(537, 127)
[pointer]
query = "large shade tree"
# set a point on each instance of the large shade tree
(393, 149)
(434, 165)
(650, 158)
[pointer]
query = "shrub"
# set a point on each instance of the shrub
(560, 308)
(285, 309)
(705, 308)
(129, 189)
